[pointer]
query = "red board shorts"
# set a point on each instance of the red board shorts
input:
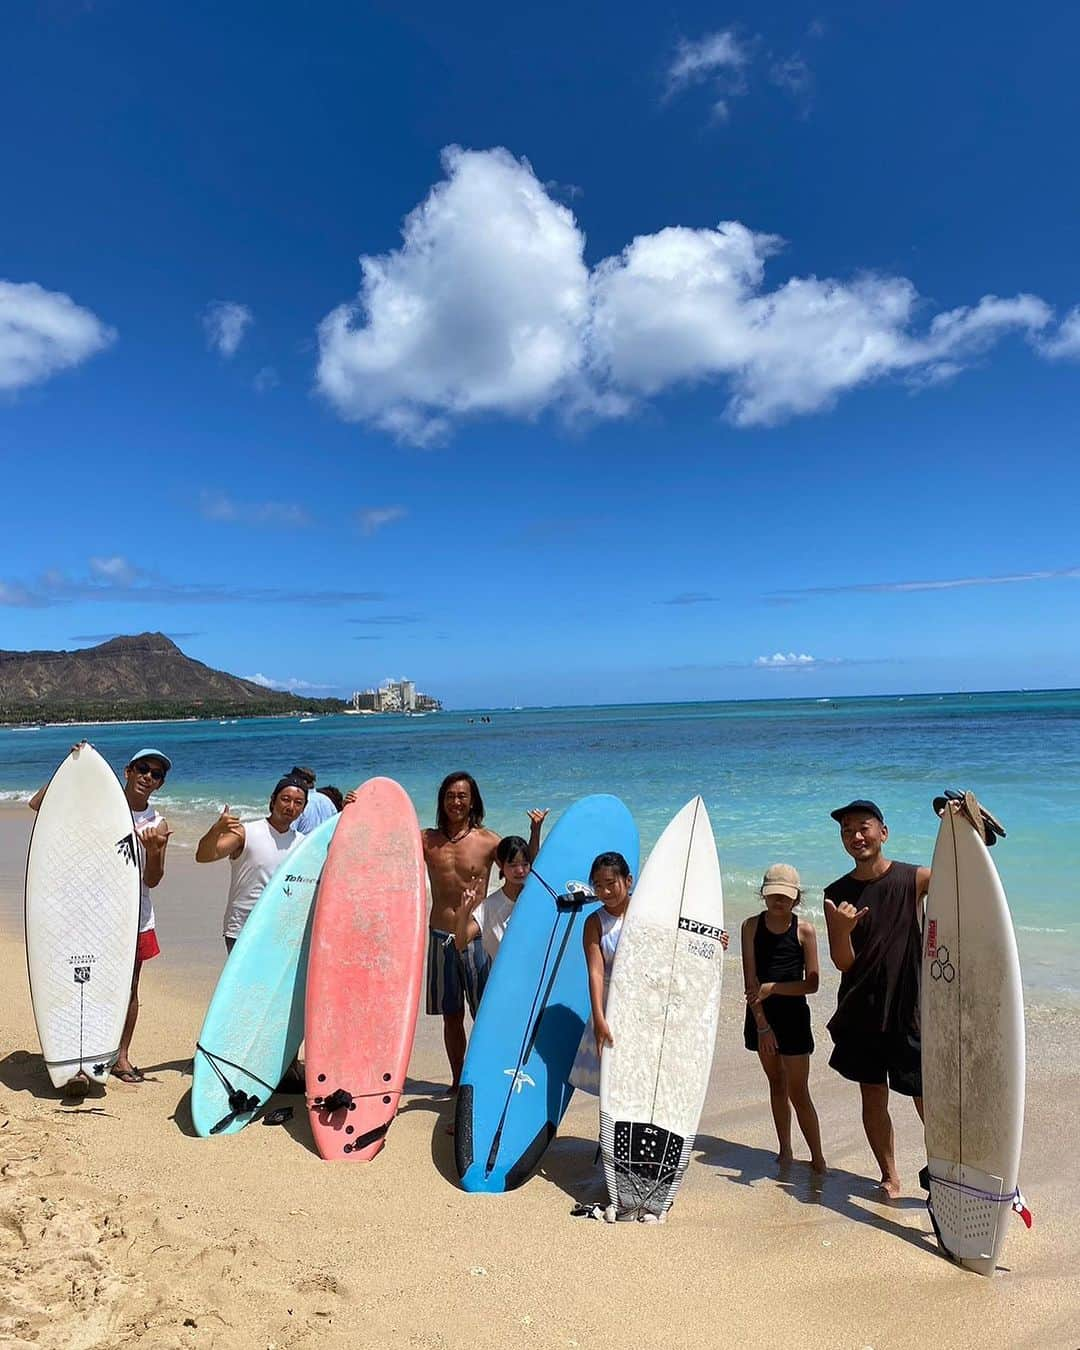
(147, 946)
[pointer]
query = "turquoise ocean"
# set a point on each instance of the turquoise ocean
(770, 772)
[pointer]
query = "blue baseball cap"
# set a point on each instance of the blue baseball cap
(148, 752)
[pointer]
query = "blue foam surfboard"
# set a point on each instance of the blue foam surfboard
(514, 1087)
(255, 1021)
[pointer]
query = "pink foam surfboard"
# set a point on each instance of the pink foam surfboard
(364, 972)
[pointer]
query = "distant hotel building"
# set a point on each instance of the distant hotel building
(394, 696)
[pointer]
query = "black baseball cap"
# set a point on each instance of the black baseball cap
(861, 805)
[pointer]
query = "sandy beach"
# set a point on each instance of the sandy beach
(118, 1227)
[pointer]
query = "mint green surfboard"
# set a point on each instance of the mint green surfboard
(255, 1021)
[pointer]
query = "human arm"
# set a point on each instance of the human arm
(594, 962)
(224, 839)
(466, 929)
(766, 1039)
(922, 884)
(536, 824)
(840, 921)
(155, 840)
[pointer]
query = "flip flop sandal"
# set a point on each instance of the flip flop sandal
(278, 1116)
(131, 1076)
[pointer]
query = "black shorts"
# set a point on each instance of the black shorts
(789, 1019)
(880, 1058)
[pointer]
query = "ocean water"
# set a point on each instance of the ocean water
(770, 772)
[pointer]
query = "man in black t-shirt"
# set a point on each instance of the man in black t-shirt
(874, 918)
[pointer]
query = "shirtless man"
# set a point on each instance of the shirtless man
(874, 918)
(459, 854)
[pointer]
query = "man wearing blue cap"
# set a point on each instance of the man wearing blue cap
(874, 917)
(143, 775)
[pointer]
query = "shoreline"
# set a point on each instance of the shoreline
(902, 695)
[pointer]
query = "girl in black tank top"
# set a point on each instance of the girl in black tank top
(780, 967)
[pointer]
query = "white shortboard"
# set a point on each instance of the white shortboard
(83, 876)
(972, 1045)
(662, 1007)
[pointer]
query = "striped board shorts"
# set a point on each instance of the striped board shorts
(454, 978)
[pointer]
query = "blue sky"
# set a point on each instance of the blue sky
(560, 356)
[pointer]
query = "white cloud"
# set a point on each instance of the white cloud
(291, 685)
(935, 584)
(226, 322)
(265, 379)
(117, 571)
(223, 509)
(684, 306)
(719, 59)
(488, 307)
(482, 309)
(1065, 343)
(42, 332)
(788, 661)
(794, 77)
(373, 518)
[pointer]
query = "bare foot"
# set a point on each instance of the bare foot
(891, 1187)
(818, 1165)
(77, 1086)
(785, 1158)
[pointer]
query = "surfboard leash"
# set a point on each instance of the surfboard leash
(239, 1101)
(532, 1026)
(1015, 1201)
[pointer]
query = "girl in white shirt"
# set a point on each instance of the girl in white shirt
(486, 916)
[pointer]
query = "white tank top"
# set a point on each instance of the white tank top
(610, 932)
(146, 819)
(263, 851)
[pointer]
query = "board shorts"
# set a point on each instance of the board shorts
(147, 946)
(789, 1019)
(879, 1058)
(454, 978)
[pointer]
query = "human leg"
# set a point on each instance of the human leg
(122, 1069)
(797, 1072)
(446, 998)
(773, 1065)
(879, 1134)
(454, 1041)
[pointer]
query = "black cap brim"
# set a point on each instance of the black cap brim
(860, 805)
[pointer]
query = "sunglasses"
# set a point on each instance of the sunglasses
(158, 775)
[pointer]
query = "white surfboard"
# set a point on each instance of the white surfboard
(82, 917)
(662, 1006)
(972, 1047)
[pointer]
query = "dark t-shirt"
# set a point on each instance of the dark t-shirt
(880, 993)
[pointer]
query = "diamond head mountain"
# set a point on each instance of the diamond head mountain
(128, 678)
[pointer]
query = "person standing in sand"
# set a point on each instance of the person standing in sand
(780, 967)
(143, 775)
(486, 916)
(459, 854)
(254, 848)
(874, 918)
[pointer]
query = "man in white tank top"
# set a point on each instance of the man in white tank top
(255, 850)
